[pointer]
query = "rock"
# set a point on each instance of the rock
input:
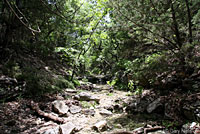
(197, 116)
(100, 126)
(191, 110)
(138, 130)
(191, 128)
(138, 106)
(52, 131)
(75, 109)
(67, 128)
(78, 128)
(60, 107)
(168, 114)
(188, 112)
(57, 97)
(118, 108)
(11, 123)
(89, 112)
(109, 107)
(105, 112)
(193, 125)
(83, 96)
(156, 105)
(197, 103)
(186, 129)
(69, 90)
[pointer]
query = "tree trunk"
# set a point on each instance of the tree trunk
(176, 29)
(189, 21)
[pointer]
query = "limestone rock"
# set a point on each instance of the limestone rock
(89, 112)
(155, 105)
(138, 106)
(69, 90)
(67, 128)
(100, 126)
(109, 107)
(105, 112)
(84, 96)
(52, 131)
(60, 107)
(75, 109)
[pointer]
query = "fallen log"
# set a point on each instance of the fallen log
(36, 108)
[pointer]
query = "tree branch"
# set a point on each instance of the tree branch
(28, 27)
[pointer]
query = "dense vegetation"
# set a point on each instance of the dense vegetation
(47, 44)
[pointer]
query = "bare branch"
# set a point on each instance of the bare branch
(28, 27)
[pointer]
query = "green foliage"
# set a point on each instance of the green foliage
(129, 93)
(131, 85)
(12, 69)
(139, 90)
(110, 94)
(112, 83)
(134, 41)
(40, 82)
(76, 82)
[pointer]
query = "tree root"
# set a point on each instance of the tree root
(36, 108)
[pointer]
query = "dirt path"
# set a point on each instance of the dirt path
(107, 100)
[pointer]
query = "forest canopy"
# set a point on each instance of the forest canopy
(137, 44)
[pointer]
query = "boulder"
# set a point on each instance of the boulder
(60, 107)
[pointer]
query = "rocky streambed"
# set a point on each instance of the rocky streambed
(94, 109)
